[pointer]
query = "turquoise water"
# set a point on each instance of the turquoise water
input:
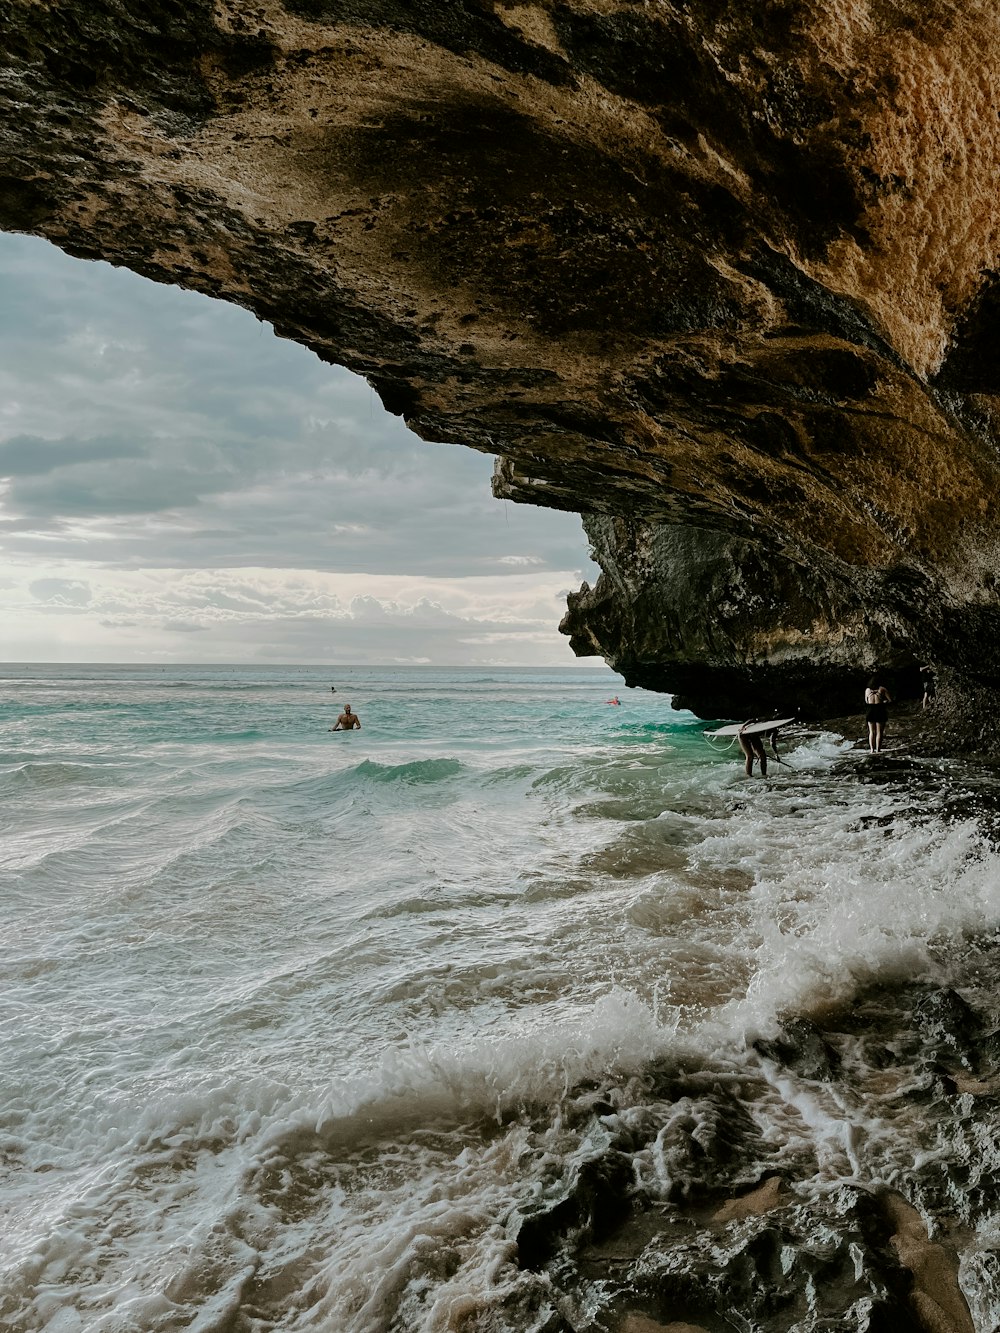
(290, 1018)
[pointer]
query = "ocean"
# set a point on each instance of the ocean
(406, 1029)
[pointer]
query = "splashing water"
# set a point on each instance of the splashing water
(299, 1027)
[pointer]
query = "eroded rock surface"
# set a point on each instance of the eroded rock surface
(702, 1221)
(721, 274)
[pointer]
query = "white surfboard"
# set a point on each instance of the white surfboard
(751, 728)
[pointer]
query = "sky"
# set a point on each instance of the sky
(179, 485)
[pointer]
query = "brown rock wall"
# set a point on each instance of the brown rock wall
(719, 266)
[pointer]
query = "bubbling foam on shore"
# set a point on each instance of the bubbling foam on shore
(303, 1027)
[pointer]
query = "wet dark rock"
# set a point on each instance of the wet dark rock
(879, 1056)
(852, 1260)
(727, 1228)
(935, 1296)
(828, 1265)
(724, 626)
(708, 1143)
(952, 1031)
(958, 1180)
(988, 1052)
(595, 1200)
(802, 1047)
(945, 1035)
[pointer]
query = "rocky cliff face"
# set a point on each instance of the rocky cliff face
(721, 624)
(720, 274)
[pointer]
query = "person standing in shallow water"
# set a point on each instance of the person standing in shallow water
(876, 712)
(927, 682)
(347, 720)
(753, 748)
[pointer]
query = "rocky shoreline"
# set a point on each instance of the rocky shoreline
(733, 1240)
(957, 725)
(693, 1214)
(741, 1245)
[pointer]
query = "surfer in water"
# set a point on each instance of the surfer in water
(347, 720)
(753, 747)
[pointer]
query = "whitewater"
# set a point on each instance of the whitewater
(298, 1027)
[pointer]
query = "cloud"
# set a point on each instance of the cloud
(284, 616)
(67, 592)
(371, 611)
(31, 455)
(165, 449)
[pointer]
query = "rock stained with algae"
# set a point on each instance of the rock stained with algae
(721, 275)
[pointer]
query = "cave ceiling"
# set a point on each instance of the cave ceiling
(705, 266)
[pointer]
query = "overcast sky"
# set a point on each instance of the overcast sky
(177, 484)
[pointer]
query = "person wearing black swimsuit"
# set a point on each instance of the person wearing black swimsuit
(876, 712)
(927, 682)
(753, 747)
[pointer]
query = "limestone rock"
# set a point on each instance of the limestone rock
(722, 272)
(936, 1297)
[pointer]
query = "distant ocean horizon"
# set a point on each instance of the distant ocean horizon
(583, 664)
(298, 1027)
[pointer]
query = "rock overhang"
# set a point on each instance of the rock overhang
(720, 276)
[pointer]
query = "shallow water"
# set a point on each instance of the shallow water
(298, 1026)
